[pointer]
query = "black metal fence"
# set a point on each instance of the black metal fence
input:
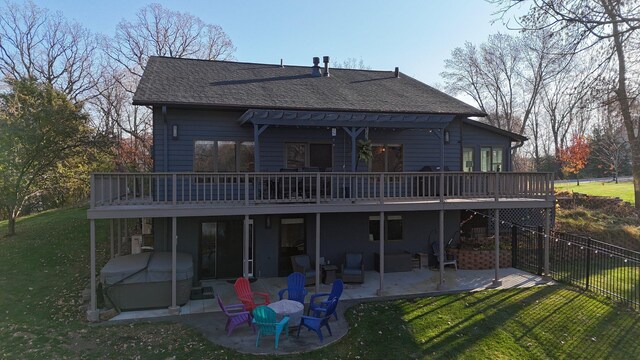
(593, 265)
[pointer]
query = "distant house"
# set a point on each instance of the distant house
(255, 163)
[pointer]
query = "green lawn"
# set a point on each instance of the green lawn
(44, 268)
(623, 190)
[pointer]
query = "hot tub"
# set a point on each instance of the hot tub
(143, 281)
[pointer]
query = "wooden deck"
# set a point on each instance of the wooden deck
(209, 194)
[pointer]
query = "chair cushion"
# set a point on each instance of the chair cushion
(353, 261)
(303, 260)
(352, 271)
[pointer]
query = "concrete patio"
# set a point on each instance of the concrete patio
(205, 315)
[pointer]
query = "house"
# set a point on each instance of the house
(254, 163)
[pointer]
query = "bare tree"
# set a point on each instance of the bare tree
(504, 76)
(35, 43)
(608, 28)
(155, 31)
(350, 63)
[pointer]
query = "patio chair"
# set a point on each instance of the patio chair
(353, 268)
(295, 288)
(265, 318)
(316, 323)
(448, 259)
(236, 315)
(246, 296)
(336, 292)
(302, 264)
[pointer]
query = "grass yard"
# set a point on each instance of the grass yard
(623, 190)
(44, 268)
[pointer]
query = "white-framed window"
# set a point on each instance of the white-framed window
(223, 156)
(392, 228)
(387, 158)
(491, 159)
(467, 159)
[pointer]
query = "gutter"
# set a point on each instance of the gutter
(165, 163)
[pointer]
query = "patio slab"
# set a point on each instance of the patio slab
(206, 317)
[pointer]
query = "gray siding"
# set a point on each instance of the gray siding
(473, 136)
(340, 233)
(421, 147)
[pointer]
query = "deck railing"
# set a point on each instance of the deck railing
(312, 187)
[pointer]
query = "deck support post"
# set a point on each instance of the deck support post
(119, 237)
(547, 230)
(92, 312)
(441, 252)
(317, 288)
(245, 247)
(257, 131)
(174, 309)
(353, 133)
(496, 233)
(382, 236)
(111, 238)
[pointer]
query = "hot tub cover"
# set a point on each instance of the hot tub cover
(146, 267)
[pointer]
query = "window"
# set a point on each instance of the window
(393, 228)
(296, 155)
(467, 159)
(387, 158)
(222, 156)
(204, 156)
(491, 159)
(301, 155)
(247, 157)
(226, 156)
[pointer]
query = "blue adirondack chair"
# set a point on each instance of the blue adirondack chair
(336, 292)
(316, 323)
(295, 288)
(265, 318)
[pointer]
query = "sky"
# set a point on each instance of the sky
(417, 36)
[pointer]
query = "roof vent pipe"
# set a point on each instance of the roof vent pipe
(397, 72)
(281, 62)
(315, 69)
(325, 60)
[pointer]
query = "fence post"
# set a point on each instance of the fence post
(540, 249)
(514, 246)
(588, 265)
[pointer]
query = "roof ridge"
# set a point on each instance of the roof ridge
(275, 65)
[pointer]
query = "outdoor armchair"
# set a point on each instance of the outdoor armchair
(317, 323)
(353, 268)
(295, 288)
(302, 264)
(448, 259)
(321, 304)
(246, 296)
(265, 318)
(236, 315)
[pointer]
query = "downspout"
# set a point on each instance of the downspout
(165, 163)
(511, 150)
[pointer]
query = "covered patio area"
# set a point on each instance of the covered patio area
(205, 315)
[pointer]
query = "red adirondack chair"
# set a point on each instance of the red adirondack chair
(247, 297)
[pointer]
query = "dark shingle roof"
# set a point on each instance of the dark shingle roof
(171, 81)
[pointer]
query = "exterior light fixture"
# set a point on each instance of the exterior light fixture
(267, 222)
(174, 132)
(446, 136)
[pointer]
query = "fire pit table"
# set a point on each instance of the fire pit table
(290, 308)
